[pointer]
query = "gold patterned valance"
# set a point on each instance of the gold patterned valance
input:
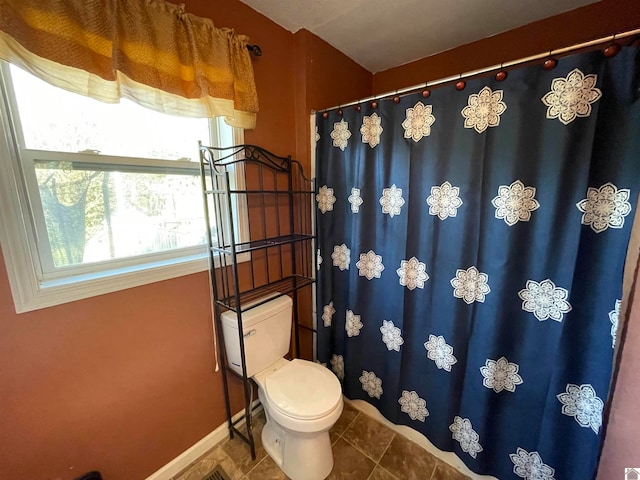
(149, 51)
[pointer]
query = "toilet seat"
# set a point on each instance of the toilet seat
(303, 390)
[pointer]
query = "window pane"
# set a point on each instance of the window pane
(93, 215)
(57, 120)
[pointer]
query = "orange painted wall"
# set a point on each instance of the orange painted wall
(583, 24)
(125, 382)
(325, 78)
(118, 382)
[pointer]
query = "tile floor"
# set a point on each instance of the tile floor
(363, 449)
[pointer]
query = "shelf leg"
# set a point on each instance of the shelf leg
(248, 416)
(227, 403)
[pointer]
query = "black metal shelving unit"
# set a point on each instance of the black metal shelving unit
(279, 202)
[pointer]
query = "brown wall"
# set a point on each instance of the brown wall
(325, 78)
(583, 24)
(125, 382)
(120, 382)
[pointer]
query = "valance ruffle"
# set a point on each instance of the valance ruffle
(149, 51)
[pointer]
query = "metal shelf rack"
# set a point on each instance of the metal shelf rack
(277, 236)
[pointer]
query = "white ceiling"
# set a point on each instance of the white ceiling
(381, 34)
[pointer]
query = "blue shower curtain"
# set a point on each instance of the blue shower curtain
(471, 250)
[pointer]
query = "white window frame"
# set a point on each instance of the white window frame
(20, 228)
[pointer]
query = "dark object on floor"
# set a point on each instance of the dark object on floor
(217, 473)
(90, 476)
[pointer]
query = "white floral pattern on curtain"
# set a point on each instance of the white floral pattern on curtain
(491, 227)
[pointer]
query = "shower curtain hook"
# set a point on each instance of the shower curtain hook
(612, 49)
(550, 63)
(501, 75)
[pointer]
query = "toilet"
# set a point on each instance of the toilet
(302, 400)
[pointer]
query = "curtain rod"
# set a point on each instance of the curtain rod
(500, 66)
(255, 50)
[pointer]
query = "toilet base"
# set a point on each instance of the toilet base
(301, 456)
(301, 448)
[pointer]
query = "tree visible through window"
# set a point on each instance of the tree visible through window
(92, 216)
(109, 187)
(114, 180)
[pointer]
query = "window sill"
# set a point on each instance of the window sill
(55, 292)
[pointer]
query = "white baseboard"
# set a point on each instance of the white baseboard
(194, 452)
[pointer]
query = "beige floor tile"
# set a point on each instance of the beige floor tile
(200, 467)
(231, 469)
(194, 472)
(407, 460)
(349, 414)
(239, 451)
(380, 473)
(208, 462)
(356, 439)
(370, 436)
(349, 463)
(266, 470)
(445, 471)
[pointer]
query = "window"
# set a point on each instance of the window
(98, 197)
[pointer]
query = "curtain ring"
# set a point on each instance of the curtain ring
(501, 75)
(612, 49)
(396, 98)
(550, 63)
(460, 84)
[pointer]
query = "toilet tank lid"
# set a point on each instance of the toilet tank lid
(303, 389)
(257, 314)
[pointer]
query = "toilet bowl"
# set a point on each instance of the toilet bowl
(302, 401)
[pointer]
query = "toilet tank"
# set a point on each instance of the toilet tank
(267, 334)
